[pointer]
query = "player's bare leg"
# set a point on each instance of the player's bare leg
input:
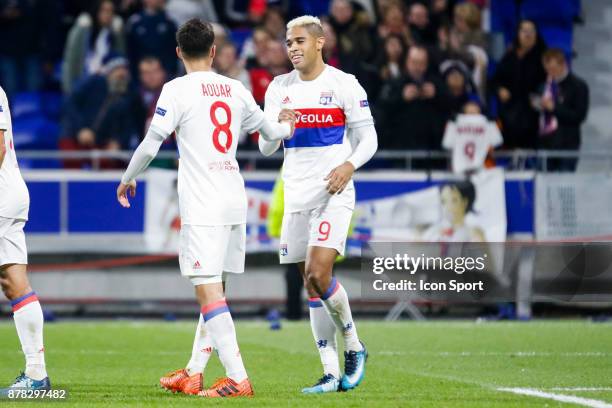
(318, 272)
(28, 317)
(218, 322)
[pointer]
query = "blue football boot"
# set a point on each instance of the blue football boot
(354, 368)
(327, 383)
(23, 382)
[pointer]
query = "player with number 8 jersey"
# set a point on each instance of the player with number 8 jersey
(207, 111)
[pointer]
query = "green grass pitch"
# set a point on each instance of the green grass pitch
(430, 364)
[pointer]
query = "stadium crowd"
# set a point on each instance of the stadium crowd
(420, 61)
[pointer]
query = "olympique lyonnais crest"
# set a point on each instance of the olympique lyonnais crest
(326, 98)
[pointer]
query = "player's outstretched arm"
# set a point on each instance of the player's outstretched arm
(266, 147)
(272, 133)
(365, 142)
(142, 157)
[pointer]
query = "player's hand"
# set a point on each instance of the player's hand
(504, 94)
(548, 103)
(122, 193)
(410, 92)
(287, 115)
(339, 177)
(290, 116)
(429, 90)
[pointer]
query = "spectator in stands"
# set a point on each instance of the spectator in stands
(518, 75)
(152, 78)
(226, 63)
(331, 52)
(278, 63)
(440, 13)
(352, 31)
(468, 38)
(27, 34)
(448, 49)
(180, 11)
(125, 8)
(471, 137)
(151, 33)
(95, 35)
(563, 107)
(393, 22)
(254, 50)
(257, 66)
(100, 112)
(459, 86)
(467, 23)
(410, 112)
(421, 30)
(391, 65)
(274, 22)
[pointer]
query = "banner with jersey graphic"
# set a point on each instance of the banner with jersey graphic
(445, 209)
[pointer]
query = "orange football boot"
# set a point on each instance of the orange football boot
(181, 381)
(226, 387)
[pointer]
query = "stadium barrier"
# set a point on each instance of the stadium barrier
(518, 159)
(75, 212)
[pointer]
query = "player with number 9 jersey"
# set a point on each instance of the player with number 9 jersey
(334, 136)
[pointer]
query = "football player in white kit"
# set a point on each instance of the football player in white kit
(334, 136)
(208, 111)
(27, 313)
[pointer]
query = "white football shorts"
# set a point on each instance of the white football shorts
(12, 242)
(325, 226)
(205, 252)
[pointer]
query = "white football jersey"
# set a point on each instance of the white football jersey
(14, 197)
(328, 105)
(470, 137)
(208, 112)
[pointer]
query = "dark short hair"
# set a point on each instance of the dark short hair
(554, 53)
(466, 190)
(195, 38)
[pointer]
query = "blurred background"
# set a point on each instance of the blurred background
(504, 101)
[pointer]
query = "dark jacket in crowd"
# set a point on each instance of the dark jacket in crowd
(27, 27)
(522, 77)
(110, 116)
(571, 110)
(355, 38)
(152, 35)
(413, 125)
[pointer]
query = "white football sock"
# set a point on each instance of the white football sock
(219, 323)
(337, 305)
(324, 332)
(202, 349)
(29, 320)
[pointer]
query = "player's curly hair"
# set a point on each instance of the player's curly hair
(195, 38)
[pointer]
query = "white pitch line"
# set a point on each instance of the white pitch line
(570, 399)
(496, 353)
(580, 389)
